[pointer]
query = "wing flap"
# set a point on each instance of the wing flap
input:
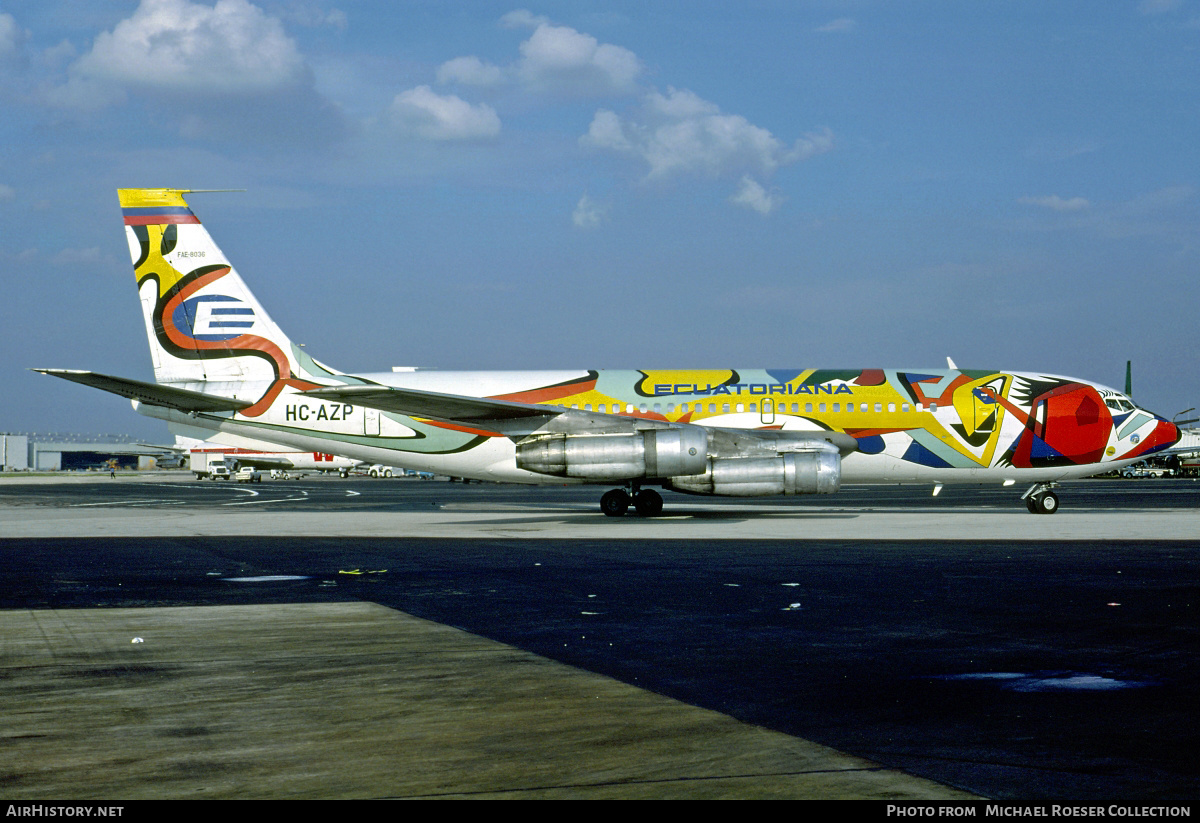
(154, 394)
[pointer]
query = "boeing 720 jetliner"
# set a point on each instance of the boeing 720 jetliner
(222, 366)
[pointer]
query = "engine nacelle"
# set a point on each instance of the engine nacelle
(808, 472)
(652, 453)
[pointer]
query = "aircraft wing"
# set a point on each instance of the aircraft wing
(452, 408)
(183, 400)
(517, 420)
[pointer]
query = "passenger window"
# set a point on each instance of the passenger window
(891, 407)
(878, 408)
(903, 407)
(837, 407)
(725, 408)
(821, 408)
(629, 408)
(933, 407)
(753, 407)
(849, 408)
(642, 408)
(740, 408)
(866, 407)
(808, 408)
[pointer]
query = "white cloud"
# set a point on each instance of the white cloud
(177, 46)
(222, 72)
(561, 59)
(752, 195)
(556, 60)
(588, 213)
(311, 15)
(470, 71)
(421, 112)
(607, 132)
(523, 18)
(1057, 203)
(12, 37)
(680, 133)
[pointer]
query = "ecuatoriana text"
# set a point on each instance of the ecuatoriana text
(750, 388)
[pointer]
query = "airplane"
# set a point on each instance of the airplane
(222, 365)
(282, 460)
(243, 452)
(259, 454)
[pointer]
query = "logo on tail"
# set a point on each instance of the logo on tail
(203, 318)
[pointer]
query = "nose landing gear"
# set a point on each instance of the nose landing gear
(647, 502)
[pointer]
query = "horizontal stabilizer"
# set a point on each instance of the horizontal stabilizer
(454, 408)
(153, 394)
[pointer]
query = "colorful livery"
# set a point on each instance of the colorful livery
(222, 367)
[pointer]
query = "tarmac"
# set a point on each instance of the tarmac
(358, 700)
(355, 700)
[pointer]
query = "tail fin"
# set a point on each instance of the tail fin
(207, 331)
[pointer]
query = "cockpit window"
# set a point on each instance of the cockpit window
(1119, 404)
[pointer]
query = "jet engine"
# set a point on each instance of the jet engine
(652, 453)
(808, 472)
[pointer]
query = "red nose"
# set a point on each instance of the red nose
(1165, 434)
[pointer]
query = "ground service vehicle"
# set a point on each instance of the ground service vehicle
(211, 465)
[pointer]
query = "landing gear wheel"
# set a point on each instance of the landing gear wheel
(648, 503)
(615, 503)
(1043, 503)
(1047, 503)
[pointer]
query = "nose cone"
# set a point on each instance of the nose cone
(1165, 435)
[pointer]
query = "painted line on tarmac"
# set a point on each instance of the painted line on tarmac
(302, 496)
(120, 503)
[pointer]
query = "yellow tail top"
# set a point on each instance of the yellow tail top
(144, 198)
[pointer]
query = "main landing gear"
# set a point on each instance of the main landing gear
(647, 502)
(1041, 499)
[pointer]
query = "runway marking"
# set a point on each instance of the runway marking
(117, 503)
(264, 502)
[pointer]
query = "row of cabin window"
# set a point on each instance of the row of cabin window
(780, 408)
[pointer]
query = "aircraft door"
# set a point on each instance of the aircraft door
(767, 415)
(371, 422)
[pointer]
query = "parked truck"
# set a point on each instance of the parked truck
(212, 465)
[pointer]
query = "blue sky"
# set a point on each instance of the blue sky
(615, 184)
